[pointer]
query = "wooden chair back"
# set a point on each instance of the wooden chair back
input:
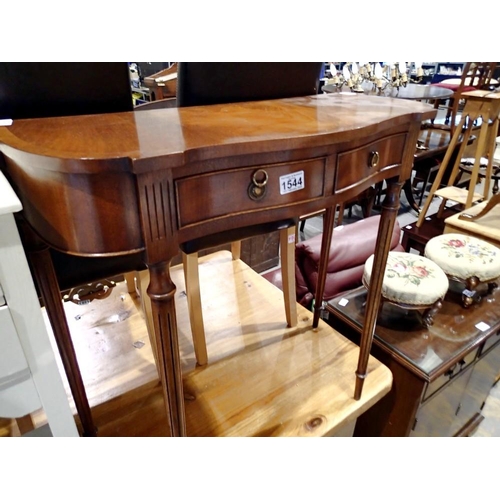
(475, 76)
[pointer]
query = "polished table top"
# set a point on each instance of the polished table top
(185, 142)
(182, 135)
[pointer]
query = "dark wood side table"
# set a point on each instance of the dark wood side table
(415, 238)
(442, 375)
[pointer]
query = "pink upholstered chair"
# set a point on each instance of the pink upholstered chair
(351, 245)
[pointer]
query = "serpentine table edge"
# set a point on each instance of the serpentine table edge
(175, 169)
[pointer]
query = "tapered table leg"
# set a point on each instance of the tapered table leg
(161, 290)
(326, 241)
(389, 212)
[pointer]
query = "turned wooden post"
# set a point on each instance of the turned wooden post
(161, 291)
(156, 195)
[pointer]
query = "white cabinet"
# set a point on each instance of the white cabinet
(29, 377)
(18, 395)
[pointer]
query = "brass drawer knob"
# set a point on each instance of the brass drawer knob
(257, 188)
(374, 159)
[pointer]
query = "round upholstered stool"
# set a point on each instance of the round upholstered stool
(412, 282)
(467, 259)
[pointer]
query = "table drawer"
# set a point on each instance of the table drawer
(450, 374)
(369, 159)
(223, 193)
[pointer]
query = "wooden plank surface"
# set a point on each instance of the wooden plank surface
(262, 378)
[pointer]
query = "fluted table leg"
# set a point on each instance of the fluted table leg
(161, 290)
(389, 213)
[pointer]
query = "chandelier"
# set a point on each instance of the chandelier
(363, 76)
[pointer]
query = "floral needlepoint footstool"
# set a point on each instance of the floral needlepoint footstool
(412, 282)
(467, 259)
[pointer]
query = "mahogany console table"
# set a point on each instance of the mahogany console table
(143, 183)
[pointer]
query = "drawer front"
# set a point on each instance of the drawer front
(218, 194)
(438, 417)
(450, 374)
(369, 159)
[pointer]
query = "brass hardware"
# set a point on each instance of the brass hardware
(85, 294)
(374, 159)
(257, 188)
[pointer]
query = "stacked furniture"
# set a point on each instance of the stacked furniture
(479, 104)
(475, 76)
(442, 373)
(171, 162)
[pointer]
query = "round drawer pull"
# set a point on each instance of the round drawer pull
(374, 159)
(257, 188)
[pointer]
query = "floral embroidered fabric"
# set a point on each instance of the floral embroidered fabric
(462, 256)
(410, 279)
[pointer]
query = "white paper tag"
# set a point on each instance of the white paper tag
(482, 326)
(5, 122)
(292, 182)
(291, 238)
(343, 302)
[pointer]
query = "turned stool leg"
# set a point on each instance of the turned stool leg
(428, 315)
(469, 293)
